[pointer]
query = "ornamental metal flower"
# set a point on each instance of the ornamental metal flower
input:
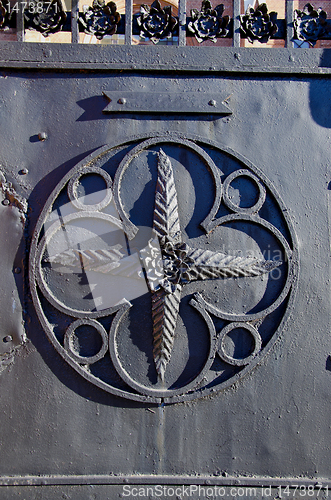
(208, 24)
(49, 19)
(156, 23)
(101, 19)
(310, 24)
(258, 24)
(3, 16)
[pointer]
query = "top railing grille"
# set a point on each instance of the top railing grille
(186, 22)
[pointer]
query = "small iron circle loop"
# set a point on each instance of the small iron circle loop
(88, 360)
(243, 210)
(73, 184)
(239, 361)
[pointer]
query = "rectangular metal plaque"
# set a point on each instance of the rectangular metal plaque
(166, 102)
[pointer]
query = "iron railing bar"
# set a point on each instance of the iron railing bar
(74, 21)
(182, 23)
(128, 21)
(289, 23)
(20, 24)
(236, 23)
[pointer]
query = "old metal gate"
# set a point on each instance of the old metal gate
(165, 305)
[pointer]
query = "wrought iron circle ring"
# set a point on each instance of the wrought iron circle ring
(73, 185)
(134, 387)
(68, 337)
(239, 361)
(232, 206)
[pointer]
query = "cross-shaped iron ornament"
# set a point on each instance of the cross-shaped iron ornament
(183, 264)
(169, 264)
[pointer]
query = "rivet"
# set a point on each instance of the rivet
(17, 270)
(6, 202)
(24, 171)
(121, 100)
(8, 338)
(42, 136)
(212, 103)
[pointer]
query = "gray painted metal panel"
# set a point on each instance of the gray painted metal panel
(57, 427)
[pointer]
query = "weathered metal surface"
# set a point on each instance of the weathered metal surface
(271, 427)
(12, 223)
(166, 102)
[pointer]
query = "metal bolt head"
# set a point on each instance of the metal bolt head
(121, 100)
(212, 103)
(24, 171)
(8, 338)
(42, 136)
(17, 270)
(6, 202)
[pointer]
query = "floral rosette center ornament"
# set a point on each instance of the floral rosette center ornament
(156, 23)
(258, 24)
(208, 24)
(310, 24)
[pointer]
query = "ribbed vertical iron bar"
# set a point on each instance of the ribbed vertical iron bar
(128, 21)
(236, 23)
(289, 23)
(74, 21)
(20, 24)
(182, 23)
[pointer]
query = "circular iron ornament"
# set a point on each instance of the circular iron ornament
(73, 185)
(239, 361)
(235, 208)
(68, 341)
(143, 356)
